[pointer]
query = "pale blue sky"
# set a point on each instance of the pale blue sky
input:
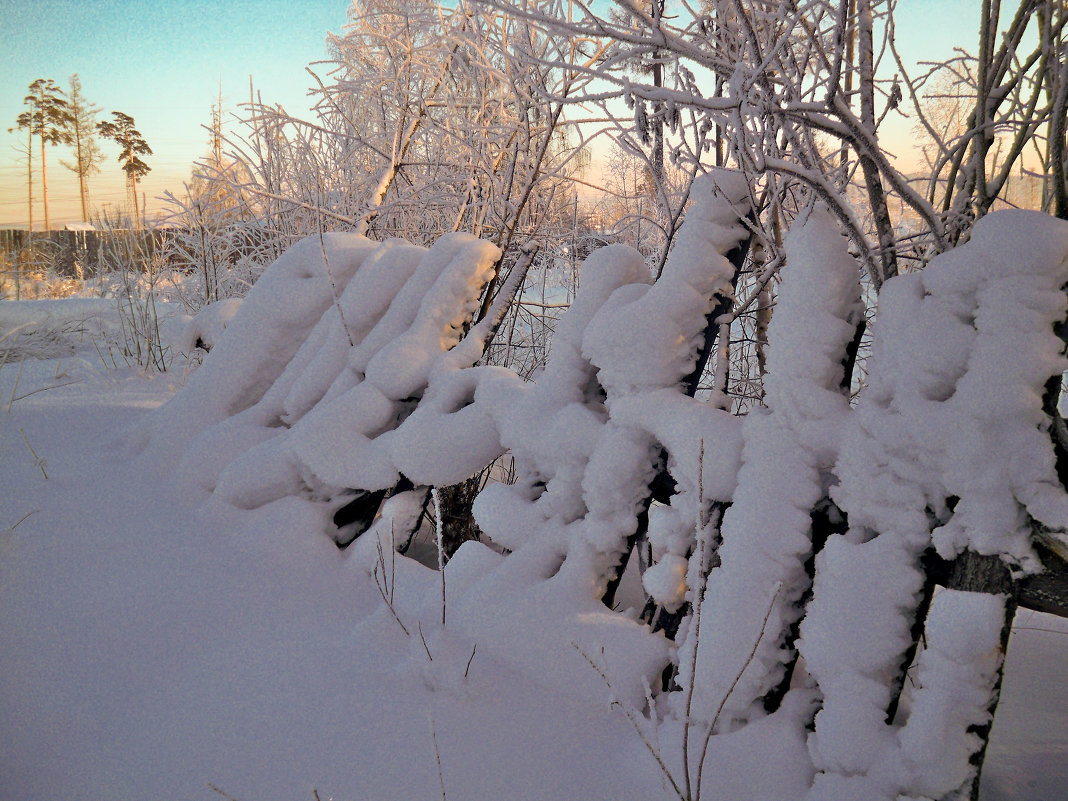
(161, 62)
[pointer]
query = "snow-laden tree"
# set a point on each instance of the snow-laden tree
(426, 121)
(214, 230)
(795, 95)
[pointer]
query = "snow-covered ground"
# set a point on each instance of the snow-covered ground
(146, 653)
(150, 649)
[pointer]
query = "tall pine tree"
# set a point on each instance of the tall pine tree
(120, 129)
(48, 119)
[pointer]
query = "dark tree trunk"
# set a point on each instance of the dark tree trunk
(457, 522)
(972, 572)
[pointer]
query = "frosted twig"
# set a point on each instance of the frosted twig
(439, 540)
(761, 282)
(723, 357)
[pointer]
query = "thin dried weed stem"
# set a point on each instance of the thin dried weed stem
(700, 581)
(386, 586)
(470, 659)
(45, 389)
(426, 648)
(24, 517)
(224, 794)
(733, 685)
(437, 754)
(15, 388)
(326, 261)
(632, 718)
(36, 459)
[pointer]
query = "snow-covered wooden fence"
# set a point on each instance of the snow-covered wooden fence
(77, 252)
(83, 252)
(796, 561)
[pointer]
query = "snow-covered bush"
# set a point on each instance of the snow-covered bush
(332, 351)
(796, 548)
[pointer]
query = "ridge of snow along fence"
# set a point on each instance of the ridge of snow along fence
(797, 547)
